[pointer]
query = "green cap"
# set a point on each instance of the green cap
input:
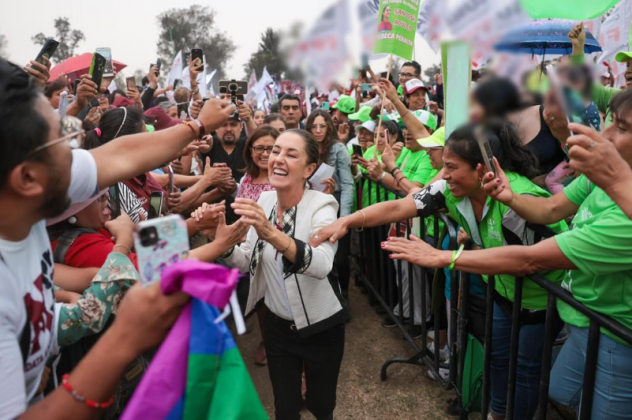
(346, 104)
(436, 139)
(363, 115)
(150, 128)
(426, 118)
(622, 56)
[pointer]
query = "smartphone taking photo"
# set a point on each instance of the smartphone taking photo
(48, 50)
(109, 67)
(357, 150)
(486, 149)
(197, 58)
(97, 69)
(130, 82)
(155, 204)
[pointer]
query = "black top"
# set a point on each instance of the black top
(546, 147)
(235, 161)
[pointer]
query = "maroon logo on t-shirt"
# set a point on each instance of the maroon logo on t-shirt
(39, 316)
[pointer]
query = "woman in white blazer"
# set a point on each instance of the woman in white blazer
(304, 327)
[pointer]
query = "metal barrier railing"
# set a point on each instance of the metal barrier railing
(380, 276)
(597, 321)
(377, 275)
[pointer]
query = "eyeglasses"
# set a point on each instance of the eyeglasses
(260, 149)
(71, 131)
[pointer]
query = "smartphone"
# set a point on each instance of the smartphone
(131, 82)
(63, 103)
(234, 87)
(197, 57)
(176, 83)
(570, 100)
(75, 86)
(172, 187)
(325, 106)
(109, 67)
(160, 243)
(97, 69)
(186, 55)
(486, 149)
(159, 65)
(366, 87)
(155, 204)
(48, 50)
(357, 149)
(365, 61)
(114, 203)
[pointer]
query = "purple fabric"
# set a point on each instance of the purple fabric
(164, 382)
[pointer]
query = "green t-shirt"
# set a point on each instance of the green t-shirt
(371, 197)
(599, 246)
(415, 166)
(429, 221)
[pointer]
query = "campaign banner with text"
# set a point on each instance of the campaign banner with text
(397, 24)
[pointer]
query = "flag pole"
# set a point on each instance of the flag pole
(388, 74)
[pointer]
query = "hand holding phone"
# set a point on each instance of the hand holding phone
(357, 149)
(486, 149)
(97, 69)
(48, 50)
(197, 59)
(131, 82)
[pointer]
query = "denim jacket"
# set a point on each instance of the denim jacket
(339, 158)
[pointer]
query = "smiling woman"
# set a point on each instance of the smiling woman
(304, 326)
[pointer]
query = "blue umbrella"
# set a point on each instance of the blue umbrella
(545, 36)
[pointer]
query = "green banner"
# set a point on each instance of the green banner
(575, 9)
(396, 28)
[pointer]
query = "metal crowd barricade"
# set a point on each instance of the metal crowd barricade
(379, 275)
(597, 321)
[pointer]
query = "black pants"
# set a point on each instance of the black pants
(342, 264)
(320, 355)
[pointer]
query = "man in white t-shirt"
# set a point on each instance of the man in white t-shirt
(40, 175)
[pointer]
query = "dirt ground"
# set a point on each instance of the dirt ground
(407, 394)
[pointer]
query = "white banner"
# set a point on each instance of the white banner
(614, 37)
(431, 24)
(176, 69)
(259, 89)
(323, 51)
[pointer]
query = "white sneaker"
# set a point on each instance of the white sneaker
(444, 353)
(443, 373)
(430, 335)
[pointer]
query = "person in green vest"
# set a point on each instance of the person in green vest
(490, 224)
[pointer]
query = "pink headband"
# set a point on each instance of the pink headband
(98, 131)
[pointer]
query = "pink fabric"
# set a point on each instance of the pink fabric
(252, 191)
(557, 177)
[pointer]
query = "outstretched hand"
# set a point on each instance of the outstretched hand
(413, 250)
(497, 187)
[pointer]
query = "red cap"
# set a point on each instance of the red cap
(162, 120)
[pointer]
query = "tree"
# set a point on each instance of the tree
(430, 73)
(268, 55)
(183, 29)
(3, 47)
(68, 39)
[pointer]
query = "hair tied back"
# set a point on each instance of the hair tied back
(98, 131)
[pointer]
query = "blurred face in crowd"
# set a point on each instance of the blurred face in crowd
(339, 117)
(287, 167)
(410, 143)
(417, 100)
(383, 137)
(259, 117)
(278, 124)
(54, 99)
(230, 132)
(436, 157)
(260, 152)
(291, 111)
(628, 72)
(365, 138)
(319, 129)
(96, 214)
(462, 180)
(406, 73)
(173, 111)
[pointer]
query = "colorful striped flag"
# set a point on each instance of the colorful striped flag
(198, 373)
(574, 10)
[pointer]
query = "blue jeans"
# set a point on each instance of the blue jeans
(529, 366)
(612, 398)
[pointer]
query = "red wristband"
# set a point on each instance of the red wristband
(81, 398)
(201, 126)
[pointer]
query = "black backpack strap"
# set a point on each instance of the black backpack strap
(65, 241)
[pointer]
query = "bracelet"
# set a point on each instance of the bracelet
(77, 396)
(129, 251)
(393, 171)
(363, 221)
(195, 135)
(228, 253)
(455, 256)
(201, 127)
(288, 245)
(383, 176)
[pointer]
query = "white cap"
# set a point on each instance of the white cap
(369, 125)
(412, 85)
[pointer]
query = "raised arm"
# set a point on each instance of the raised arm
(539, 210)
(128, 156)
(416, 128)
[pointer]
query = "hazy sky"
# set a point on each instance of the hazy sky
(131, 29)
